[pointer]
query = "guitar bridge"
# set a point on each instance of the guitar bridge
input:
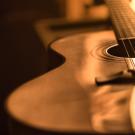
(123, 77)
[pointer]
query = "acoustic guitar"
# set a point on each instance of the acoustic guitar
(92, 89)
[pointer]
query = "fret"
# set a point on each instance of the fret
(123, 18)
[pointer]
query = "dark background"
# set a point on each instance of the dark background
(22, 55)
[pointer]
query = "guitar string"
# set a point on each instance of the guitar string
(126, 36)
(131, 61)
(126, 33)
(131, 47)
(121, 33)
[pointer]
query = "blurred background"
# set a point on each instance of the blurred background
(26, 28)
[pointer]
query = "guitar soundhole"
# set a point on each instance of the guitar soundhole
(117, 51)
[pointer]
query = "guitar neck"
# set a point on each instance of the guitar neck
(123, 18)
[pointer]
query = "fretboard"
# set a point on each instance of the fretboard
(123, 18)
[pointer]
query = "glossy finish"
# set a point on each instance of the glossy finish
(67, 99)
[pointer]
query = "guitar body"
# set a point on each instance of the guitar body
(67, 98)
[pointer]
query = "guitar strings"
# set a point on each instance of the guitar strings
(126, 35)
(131, 61)
(122, 35)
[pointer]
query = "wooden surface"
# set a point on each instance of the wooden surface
(67, 100)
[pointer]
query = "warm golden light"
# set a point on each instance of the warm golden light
(132, 4)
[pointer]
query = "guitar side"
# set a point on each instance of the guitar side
(67, 99)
